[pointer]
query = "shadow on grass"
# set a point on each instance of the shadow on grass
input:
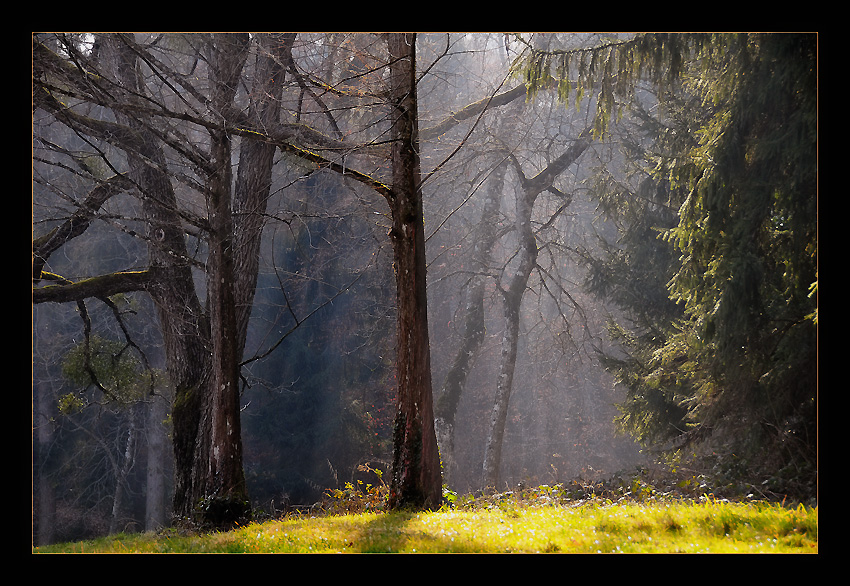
(400, 532)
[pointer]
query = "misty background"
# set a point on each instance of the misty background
(317, 396)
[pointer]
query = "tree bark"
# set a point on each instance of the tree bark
(254, 174)
(218, 451)
(416, 479)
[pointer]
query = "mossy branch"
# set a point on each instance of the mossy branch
(101, 286)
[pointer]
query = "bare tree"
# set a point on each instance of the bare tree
(486, 234)
(164, 126)
(514, 289)
(202, 349)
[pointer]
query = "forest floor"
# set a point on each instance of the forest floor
(709, 527)
(544, 519)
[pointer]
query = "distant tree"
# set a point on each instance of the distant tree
(473, 334)
(508, 220)
(515, 285)
(511, 222)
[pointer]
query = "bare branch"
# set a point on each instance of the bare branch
(45, 245)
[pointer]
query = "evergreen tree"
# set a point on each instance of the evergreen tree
(747, 234)
(734, 364)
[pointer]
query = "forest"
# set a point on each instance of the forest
(270, 266)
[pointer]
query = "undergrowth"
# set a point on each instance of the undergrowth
(642, 485)
(640, 512)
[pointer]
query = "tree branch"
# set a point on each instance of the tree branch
(472, 110)
(101, 286)
(322, 162)
(543, 180)
(44, 246)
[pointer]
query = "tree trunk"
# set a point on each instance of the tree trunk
(474, 328)
(416, 479)
(218, 452)
(254, 175)
(202, 355)
(513, 294)
(185, 329)
(122, 472)
(45, 504)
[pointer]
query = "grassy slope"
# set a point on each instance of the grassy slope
(582, 527)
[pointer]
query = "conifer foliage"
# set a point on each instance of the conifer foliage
(733, 363)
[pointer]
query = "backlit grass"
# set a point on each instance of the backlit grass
(707, 526)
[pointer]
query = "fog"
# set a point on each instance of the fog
(317, 394)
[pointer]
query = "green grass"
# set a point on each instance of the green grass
(587, 526)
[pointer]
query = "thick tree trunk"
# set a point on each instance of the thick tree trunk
(218, 453)
(416, 479)
(254, 175)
